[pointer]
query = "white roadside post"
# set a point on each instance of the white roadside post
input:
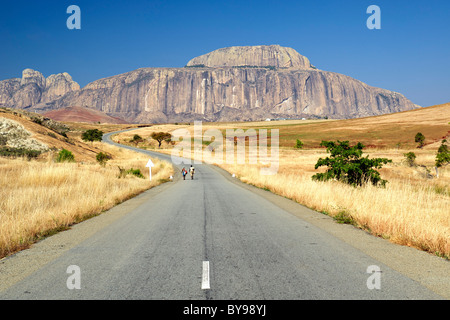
(149, 166)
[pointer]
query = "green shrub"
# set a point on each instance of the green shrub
(136, 139)
(410, 158)
(37, 120)
(136, 172)
(102, 158)
(443, 155)
(92, 135)
(19, 152)
(420, 139)
(347, 165)
(65, 156)
(299, 144)
(344, 217)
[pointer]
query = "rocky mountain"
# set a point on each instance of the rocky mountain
(33, 89)
(229, 84)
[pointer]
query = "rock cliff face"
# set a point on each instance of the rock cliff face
(261, 56)
(237, 83)
(33, 89)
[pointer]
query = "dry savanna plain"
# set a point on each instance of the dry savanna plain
(41, 196)
(413, 208)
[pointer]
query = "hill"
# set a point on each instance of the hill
(395, 130)
(82, 114)
(47, 134)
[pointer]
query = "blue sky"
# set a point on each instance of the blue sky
(410, 54)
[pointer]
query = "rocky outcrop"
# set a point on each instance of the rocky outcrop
(14, 135)
(7, 89)
(261, 56)
(224, 94)
(57, 85)
(237, 83)
(33, 89)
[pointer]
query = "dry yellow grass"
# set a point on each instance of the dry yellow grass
(42, 197)
(412, 210)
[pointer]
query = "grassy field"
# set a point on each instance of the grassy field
(412, 210)
(41, 197)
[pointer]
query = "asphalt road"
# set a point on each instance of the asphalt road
(253, 248)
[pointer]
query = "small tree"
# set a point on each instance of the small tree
(299, 144)
(65, 156)
(136, 139)
(102, 158)
(410, 158)
(443, 155)
(161, 136)
(347, 165)
(420, 138)
(92, 135)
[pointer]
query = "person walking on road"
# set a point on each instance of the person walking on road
(184, 173)
(192, 170)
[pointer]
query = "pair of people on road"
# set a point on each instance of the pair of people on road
(184, 172)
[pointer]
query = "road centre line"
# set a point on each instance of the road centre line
(205, 276)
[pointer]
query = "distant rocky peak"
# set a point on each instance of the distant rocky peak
(33, 88)
(253, 56)
(57, 79)
(33, 76)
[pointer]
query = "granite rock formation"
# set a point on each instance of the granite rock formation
(230, 84)
(33, 89)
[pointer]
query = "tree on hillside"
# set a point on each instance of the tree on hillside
(420, 138)
(442, 156)
(92, 135)
(299, 144)
(347, 165)
(410, 158)
(136, 139)
(102, 158)
(161, 136)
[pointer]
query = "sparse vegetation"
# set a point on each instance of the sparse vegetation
(11, 152)
(344, 218)
(135, 172)
(196, 66)
(35, 201)
(411, 210)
